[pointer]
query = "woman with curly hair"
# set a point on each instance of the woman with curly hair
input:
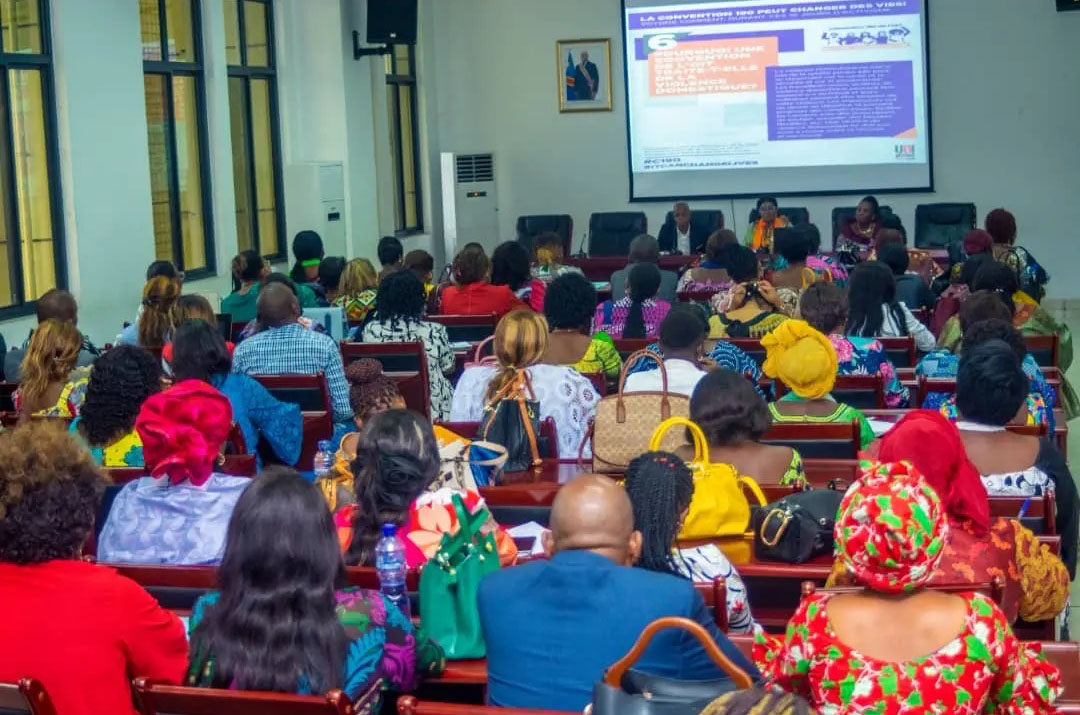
(281, 541)
(50, 385)
(399, 318)
(122, 380)
(356, 291)
(49, 496)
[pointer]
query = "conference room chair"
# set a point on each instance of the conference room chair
(900, 350)
(797, 215)
(629, 346)
(7, 392)
(1045, 349)
(859, 391)
(707, 220)
(308, 391)
(467, 328)
(406, 363)
(819, 472)
(26, 696)
(224, 325)
(529, 227)
(610, 233)
(598, 380)
(155, 698)
(842, 215)
(817, 440)
(235, 332)
(409, 705)
(697, 296)
(941, 225)
(1040, 513)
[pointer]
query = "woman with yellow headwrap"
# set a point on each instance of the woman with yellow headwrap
(805, 361)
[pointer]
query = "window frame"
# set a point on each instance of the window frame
(42, 62)
(408, 80)
(268, 73)
(196, 69)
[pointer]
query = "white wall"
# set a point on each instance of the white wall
(1003, 77)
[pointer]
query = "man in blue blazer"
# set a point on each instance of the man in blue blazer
(553, 627)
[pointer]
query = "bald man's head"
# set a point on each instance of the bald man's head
(277, 305)
(593, 513)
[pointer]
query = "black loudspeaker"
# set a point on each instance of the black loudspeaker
(1068, 5)
(391, 22)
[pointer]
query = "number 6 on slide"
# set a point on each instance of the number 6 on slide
(662, 42)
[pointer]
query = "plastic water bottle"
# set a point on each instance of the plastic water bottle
(391, 568)
(324, 459)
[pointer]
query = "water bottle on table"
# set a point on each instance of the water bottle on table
(391, 568)
(324, 459)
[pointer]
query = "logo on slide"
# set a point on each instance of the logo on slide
(905, 152)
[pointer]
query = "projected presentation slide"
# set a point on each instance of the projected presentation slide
(780, 96)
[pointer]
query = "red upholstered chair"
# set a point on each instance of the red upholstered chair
(715, 595)
(7, 400)
(860, 391)
(629, 346)
(311, 393)
(156, 698)
(830, 440)
(467, 328)
(409, 705)
(25, 696)
(598, 380)
(901, 351)
(406, 363)
(1046, 349)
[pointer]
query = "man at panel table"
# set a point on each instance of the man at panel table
(682, 234)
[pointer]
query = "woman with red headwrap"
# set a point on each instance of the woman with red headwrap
(179, 514)
(898, 647)
(977, 548)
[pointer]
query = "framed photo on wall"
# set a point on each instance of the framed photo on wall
(584, 75)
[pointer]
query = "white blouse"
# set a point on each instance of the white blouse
(706, 563)
(924, 339)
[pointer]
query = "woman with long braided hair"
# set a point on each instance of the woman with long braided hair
(660, 487)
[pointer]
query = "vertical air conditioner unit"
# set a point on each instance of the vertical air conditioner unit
(470, 206)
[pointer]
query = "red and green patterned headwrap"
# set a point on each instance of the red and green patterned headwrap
(891, 528)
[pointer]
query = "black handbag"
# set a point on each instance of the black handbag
(512, 419)
(796, 528)
(628, 692)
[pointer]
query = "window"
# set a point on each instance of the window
(404, 141)
(31, 251)
(176, 127)
(249, 51)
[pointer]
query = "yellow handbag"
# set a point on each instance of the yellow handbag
(719, 506)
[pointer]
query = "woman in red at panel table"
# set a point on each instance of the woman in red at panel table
(472, 292)
(79, 628)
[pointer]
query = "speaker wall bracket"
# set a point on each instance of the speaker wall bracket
(359, 51)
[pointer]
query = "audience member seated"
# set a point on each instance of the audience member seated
(911, 289)
(307, 247)
(397, 481)
(191, 307)
(122, 380)
(990, 391)
(154, 324)
(681, 235)
(547, 266)
(660, 486)
(399, 318)
(977, 547)
(644, 249)
(178, 514)
(751, 308)
(822, 262)
(638, 314)
(330, 271)
(248, 270)
(711, 274)
(390, 253)
(356, 291)
(793, 246)
(682, 343)
(759, 234)
(56, 305)
(200, 353)
(521, 341)
(511, 267)
(825, 307)
(553, 626)
(920, 262)
(165, 269)
(281, 623)
(286, 347)
(734, 418)
(80, 629)
(370, 392)
(1032, 277)
(873, 310)
(724, 355)
(254, 326)
(893, 641)
(857, 235)
(961, 285)
(568, 307)
(471, 293)
(422, 264)
(1041, 396)
(50, 385)
(805, 361)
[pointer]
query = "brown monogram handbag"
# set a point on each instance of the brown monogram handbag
(624, 423)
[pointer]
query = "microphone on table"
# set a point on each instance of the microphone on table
(581, 249)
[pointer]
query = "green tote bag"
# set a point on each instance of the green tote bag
(449, 582)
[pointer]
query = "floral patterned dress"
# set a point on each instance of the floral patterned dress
(866, 356)
(984, 669)
(386, 651)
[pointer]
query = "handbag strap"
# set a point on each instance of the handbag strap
(480, 347)
(497, 461)
(749, 483)
(615, 673)
(665, 405)
(589, 435)
(701, 445)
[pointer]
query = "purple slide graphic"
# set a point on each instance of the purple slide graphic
(873, 99)
(787, 40)
(772, 13)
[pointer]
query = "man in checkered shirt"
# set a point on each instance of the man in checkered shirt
(284, 347)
